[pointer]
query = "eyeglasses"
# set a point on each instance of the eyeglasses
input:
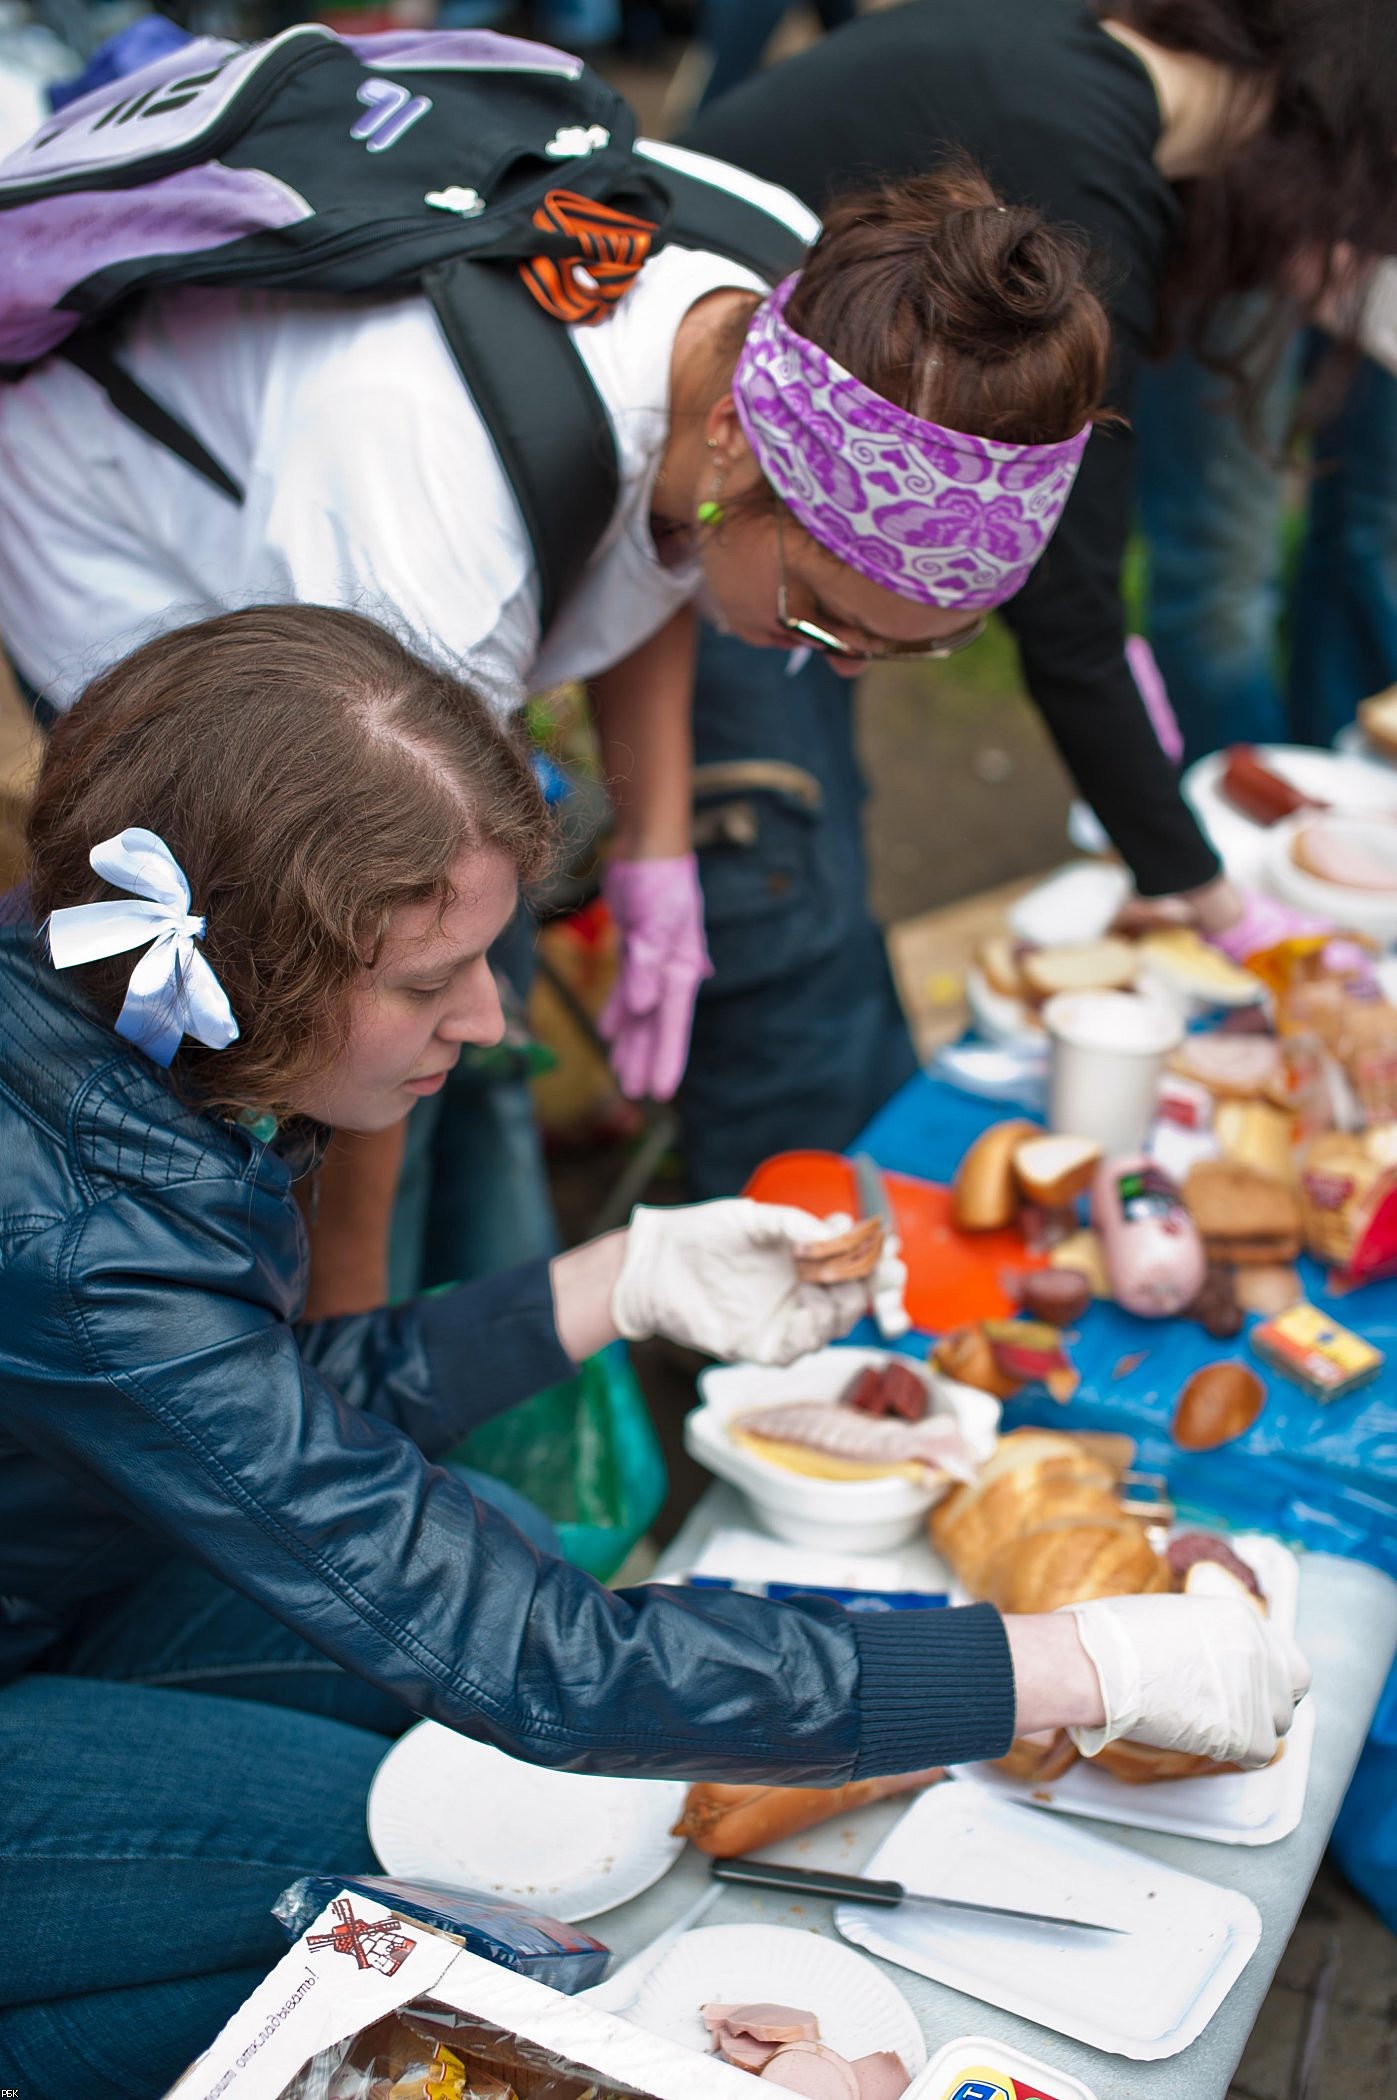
(820, 638)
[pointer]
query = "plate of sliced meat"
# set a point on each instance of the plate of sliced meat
(798, 2011)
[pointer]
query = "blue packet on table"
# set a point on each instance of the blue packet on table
(494, 1927)
(852, 1600)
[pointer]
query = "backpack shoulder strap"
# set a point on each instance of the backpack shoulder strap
(549, 425)
(92, 353)
(546, 419)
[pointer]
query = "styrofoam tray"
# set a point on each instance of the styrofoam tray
(859, 2008)
(1230, 1808)
(1145, 1992)
(739, 1555)
(1343, 781)
(850, 1516)
(443, 1808)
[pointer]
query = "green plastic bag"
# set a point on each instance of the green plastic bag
(586, 1452)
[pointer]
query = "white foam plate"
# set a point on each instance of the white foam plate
(1342, 780)
(443, 1808)
(1230, 1808)
(1145, 1992)
(859, 2009)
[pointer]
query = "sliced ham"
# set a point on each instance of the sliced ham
(777, 2024)
(936, 1445)
(813, 2070)
(881, 2076)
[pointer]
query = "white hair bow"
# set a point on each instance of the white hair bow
(173, 991)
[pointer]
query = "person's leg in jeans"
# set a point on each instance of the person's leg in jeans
(1210, 505)
(183, 1758)
(144, 1835)
(737, 32)
(1344, 632)
(798, 1035)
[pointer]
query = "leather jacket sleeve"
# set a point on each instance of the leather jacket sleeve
(440, 1365)
(157, 1372)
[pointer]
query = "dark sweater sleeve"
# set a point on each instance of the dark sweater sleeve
(1070, 627)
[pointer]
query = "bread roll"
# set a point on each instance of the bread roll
(1054, 1170)
(1218, 1403)
(985, 1194)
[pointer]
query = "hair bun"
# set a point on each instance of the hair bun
(963, 307)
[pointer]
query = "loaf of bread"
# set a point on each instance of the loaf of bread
(726, 1821)
(1044, 1526)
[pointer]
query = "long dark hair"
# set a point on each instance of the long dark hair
(1321, 169)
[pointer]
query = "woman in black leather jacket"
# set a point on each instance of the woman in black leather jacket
(230, 1567)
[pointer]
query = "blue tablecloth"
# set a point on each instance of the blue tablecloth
(1324, 1476)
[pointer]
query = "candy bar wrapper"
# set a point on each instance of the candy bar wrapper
(373, 2003)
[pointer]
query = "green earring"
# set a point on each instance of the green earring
(710, 513)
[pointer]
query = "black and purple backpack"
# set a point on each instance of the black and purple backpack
(500, 178)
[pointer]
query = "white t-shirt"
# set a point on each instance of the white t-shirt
(370, 482)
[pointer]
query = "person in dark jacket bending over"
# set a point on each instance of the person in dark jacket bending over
(269, 854)
(1205, 148)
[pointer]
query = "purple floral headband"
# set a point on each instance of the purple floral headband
(932, 514)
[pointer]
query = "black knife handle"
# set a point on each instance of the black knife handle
(809, 1881)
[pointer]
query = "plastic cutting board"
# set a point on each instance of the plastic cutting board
(952, 1277)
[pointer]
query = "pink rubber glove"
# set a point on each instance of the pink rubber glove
(658, 909)
(1264, 922)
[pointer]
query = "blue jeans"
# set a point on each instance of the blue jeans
(798, 1036)
(178, 1762)
(1221, 610)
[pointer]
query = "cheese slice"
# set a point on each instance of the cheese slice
(817, 1465)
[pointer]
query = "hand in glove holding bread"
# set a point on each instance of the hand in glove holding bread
(726, 1277)
(1208, 1675)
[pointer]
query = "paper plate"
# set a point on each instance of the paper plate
(1334, 777)
(1145, 1991)
(1230, 1808)
(442, 1808)
(858, 2008)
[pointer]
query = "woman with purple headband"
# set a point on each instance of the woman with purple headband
(839, 459)
(1204, 148)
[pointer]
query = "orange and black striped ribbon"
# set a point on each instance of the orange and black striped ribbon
(613, 246)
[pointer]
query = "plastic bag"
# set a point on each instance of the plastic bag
(431, 2053)
(586, 1453)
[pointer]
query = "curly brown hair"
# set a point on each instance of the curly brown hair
(311, 776)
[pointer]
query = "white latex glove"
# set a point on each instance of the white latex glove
(1205, 1674)
(721, 1277)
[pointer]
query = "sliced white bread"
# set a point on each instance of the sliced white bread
(998, 958)
(1107, 965)
(1055, 1170)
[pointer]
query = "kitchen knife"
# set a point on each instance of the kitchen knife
(889, 1310)
(887, 1895)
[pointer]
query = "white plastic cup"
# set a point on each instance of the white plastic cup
(1107, 1058)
